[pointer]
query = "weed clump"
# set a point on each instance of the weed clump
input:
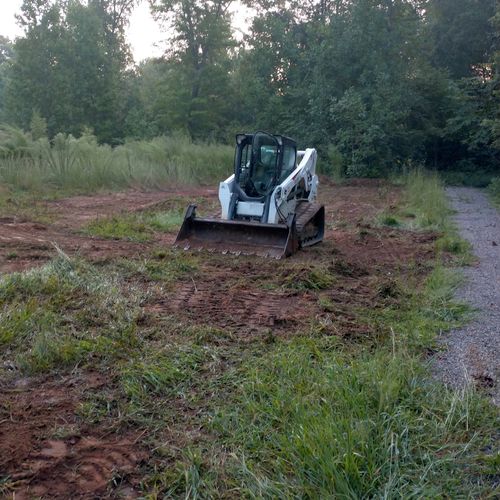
(139, 226)
(309, 279)
(494, 190)
(63, 313)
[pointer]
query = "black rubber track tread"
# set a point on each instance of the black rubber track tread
(306, 211)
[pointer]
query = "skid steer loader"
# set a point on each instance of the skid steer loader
(268, 204)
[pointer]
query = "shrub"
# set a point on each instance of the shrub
(494, 189)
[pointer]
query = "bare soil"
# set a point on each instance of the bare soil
(46, 453)
(249, 297)
(25, 243)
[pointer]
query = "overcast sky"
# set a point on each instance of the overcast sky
(144, 34)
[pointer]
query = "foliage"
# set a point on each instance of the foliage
(70, 66)
(494, 189)
(374, 85)
(462, 35)
(82, 165)
(195, 86)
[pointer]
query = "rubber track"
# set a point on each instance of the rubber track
(305, 213)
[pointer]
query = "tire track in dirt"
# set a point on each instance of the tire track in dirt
(42, 465)
(244, 309)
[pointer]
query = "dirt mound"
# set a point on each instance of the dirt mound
(46, 452)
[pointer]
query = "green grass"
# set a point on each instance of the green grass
(71, 165)
(139, 226)
(313, 422)
(315, 419)
(313, 277)
(126, 226)
(166, 265)
(426, 207)
(494, 190)
(160, 373)
(64, 313)
(426, 201)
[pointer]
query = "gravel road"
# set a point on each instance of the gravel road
(473, 352)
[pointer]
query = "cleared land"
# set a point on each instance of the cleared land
(130, 368)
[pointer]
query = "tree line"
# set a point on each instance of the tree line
(375, 85)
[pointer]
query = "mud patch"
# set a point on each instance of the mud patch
(45, 452)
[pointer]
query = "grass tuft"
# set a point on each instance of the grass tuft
(494, 190)
(139, 226)
(64, 313)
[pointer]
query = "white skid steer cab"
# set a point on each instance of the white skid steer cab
(268, 204)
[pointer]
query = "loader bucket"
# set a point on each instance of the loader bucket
(238, 237)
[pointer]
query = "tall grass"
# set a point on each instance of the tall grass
(494, 190)
(314, 420)
(82, 165)
(427, 206)
(319, 423)
(427, 200)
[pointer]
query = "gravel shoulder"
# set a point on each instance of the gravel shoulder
(473, 351)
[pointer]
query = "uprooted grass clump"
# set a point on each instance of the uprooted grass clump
(166, 265)
(139, 226)
(64, 313)
(307, 277)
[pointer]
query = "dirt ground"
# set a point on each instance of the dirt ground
(44, 453)
(248, 297)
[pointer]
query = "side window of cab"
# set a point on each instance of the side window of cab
(289, 161)
(245, 163)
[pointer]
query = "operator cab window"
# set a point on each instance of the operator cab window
(245, 165)
(289, 161)
(259, 165)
